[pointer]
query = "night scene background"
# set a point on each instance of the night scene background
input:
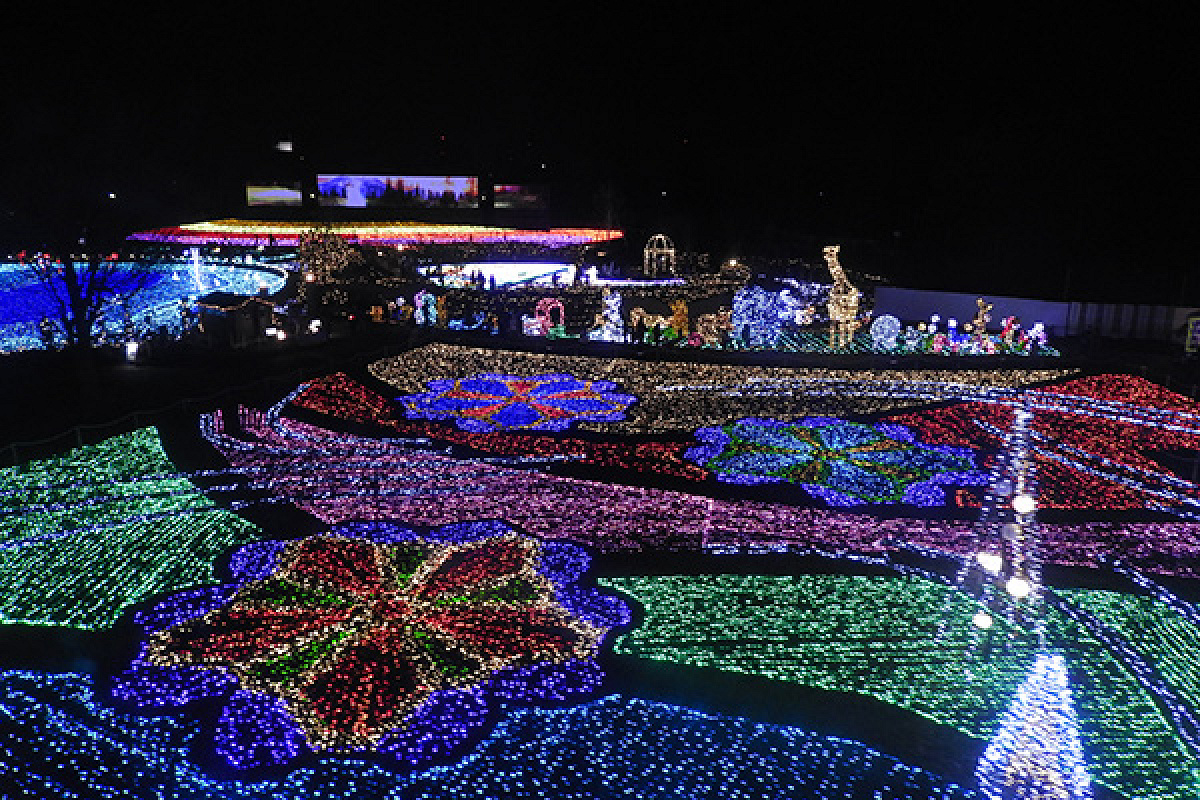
(1045, 155)
(881, 482)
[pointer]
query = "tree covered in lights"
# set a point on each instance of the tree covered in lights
(82, 290)
(1036, 753)
(325, 256)
(326, 259)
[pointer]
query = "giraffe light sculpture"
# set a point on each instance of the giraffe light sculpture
(843, 302)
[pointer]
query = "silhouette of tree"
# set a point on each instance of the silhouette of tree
(80, 289)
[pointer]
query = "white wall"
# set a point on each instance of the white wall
(1164, 323)
(914, 305)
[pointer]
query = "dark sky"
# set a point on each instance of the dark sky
(1025, 154)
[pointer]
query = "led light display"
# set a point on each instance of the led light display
(877, 636)
(843, 463)
(253, 233)
(380, 637)
(681, 397)
(66, 743)
(757, 317)
(86, 535)
(511, 195)
(609, 323)
(339, 396)
(398, 191)
(492, 402)
(1155, 628)
(340, 477)
(274, 195)
(1091, 439)
(1037, 751)
(376, 637)
(24, 302)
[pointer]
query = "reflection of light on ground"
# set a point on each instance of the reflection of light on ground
(506, 273)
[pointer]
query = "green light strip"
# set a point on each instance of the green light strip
(878, 636)
(1165, 639)
(114, 537)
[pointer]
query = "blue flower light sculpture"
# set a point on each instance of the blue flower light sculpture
(492, 402)
(843, 463)
(375, 638)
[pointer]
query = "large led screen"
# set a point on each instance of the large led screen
(398, 191)
(273, 194)
(511, 195)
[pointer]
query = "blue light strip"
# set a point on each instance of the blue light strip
(64, 744)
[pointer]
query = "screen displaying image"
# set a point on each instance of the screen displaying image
(398, 191)
(512, 195)
(273, 195)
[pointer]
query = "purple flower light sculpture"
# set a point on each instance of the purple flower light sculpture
(491, 402)
(374, 637)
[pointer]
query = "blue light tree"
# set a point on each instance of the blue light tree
(1036, 753)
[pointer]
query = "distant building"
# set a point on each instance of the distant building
(233, 320)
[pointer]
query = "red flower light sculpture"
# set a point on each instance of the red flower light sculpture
(355, 644)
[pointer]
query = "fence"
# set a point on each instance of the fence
(184, 410)
(19, 452)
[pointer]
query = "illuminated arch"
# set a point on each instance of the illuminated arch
(659, 256)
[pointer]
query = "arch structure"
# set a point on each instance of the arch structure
(659, 256)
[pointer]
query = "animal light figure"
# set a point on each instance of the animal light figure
(843, 302)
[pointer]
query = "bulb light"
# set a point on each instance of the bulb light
(1018, 587)
(1024, 504)
(992, 562)
(72, 743)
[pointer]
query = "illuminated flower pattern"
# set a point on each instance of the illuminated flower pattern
(493, 402)
(843, 463)
(374, 637)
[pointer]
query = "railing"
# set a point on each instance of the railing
(16, 453)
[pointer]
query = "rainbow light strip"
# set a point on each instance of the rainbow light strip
(682, 396)
(338, 477)
(253, 233)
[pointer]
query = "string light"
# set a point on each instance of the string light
(682, 396)
(843, 463)
(252, 233)
(874, 635)
(67, 743)
(1090, 439)
(86, 535)
(375, 637)
(340, 477)
(491, 402)
(1130, 656)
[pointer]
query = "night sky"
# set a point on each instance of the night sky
(1034, 155)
